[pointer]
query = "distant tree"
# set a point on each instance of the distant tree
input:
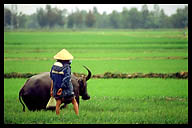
(156, 10)
(156, 15)
(90, 19)
(150, 21)
(134, 18)
(103, 20)
(64, 13)
(50, 17)
(97, 16)
(125, 18)
(14, 20)
(145, 16)
(7, 17)
(180, 19)
(71, 20)
(31, 21)
(84, 14)
(115, 19)
(21, 20)
(163, 20)
(42, 17)
(95, 11)
(54, 16)
(78, 19)
(60, 17)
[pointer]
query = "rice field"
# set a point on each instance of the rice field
(113, 101)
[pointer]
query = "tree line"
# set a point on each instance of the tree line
(127, 18)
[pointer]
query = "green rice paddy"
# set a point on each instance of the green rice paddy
(113, 101)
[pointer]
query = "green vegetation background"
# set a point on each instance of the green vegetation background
(101, 50)
(127, 101)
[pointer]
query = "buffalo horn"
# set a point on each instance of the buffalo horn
(89, 73)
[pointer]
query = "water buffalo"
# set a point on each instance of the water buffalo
(36, 91)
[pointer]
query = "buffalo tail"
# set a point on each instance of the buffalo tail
(20, 94)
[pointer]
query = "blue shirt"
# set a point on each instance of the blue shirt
(61, 76)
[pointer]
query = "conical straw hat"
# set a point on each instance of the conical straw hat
(63, 55)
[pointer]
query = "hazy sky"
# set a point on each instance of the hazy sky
(108, 8)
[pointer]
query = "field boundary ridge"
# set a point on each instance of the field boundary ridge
(108, 75)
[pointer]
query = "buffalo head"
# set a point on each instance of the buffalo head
(83, 85)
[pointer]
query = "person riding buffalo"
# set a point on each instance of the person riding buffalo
(61, 85)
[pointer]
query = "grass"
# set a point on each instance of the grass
(103, 50)
(102, 66)
(114, 101)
